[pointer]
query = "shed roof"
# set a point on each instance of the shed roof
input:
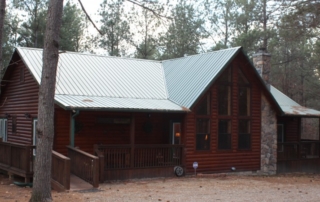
(290, 107)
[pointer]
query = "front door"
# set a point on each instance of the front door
(176, 133)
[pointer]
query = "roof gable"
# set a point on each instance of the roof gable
(187, 78)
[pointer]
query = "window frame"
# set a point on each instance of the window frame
(207, 116)
(4, 130)
(248, 116)
(229, 116)
(34, 129)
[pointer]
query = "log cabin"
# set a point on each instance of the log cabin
(145, 118)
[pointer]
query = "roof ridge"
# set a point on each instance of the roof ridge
(93, 55)
(209, 52)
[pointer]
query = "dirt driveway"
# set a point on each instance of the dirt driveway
(294, 187)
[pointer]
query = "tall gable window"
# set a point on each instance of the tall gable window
(224, 109)
(244, 99)
(203, 124)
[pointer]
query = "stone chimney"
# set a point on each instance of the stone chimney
(262, 63)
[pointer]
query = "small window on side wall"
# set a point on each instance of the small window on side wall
(203, 134)
(35, 123)
(3, 129)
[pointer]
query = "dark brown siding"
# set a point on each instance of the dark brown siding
(19, 98)
(215, 160)
(291, 128)
(92, 132)
(62, 130)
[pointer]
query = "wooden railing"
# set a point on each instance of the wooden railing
(144, 156)
(17, 159)
(305, 149)
(84, 165)
(60, 172)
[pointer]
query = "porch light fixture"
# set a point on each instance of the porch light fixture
(178, 134)
(233, 168)
(7, 115)
(27, 115)
(195, 166)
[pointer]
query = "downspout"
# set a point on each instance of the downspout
(72, 126)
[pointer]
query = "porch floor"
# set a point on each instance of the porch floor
(77, 184)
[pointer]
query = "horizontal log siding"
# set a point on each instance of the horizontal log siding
(17, 99)
(291, 128)
(62, 130)
(216, 160)
(93, 132)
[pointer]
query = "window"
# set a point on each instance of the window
(244, 124)
(3, 129)
(35, 123)
(244, 139)
(224, 100)
(14, 124)
(203, 134)
(244, 101)
(224, 138)
(204, 106)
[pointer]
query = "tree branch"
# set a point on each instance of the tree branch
(84, 10)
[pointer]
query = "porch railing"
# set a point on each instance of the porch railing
(305, 149)
(141, 156)
(84, 165)
(60, 171)
(17, 159)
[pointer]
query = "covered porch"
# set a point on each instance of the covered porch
(298, 145)
(130, 144)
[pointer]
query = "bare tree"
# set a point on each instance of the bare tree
(45, 129)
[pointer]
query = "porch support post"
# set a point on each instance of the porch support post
(72, 126)
(132, 127)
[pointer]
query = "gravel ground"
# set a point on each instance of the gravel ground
(293, 187)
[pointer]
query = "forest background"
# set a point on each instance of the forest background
(176, 28)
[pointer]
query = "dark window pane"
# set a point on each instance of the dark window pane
(225, 77)
(203, 126)
(224, 100)
(203, 142)
(244, 139)
(224, 138)
(244, 101)
(224, 141)
(204, 106)
(244, 126)
(242, 79)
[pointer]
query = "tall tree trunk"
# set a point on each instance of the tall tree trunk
(2, 16)
(45, 129)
